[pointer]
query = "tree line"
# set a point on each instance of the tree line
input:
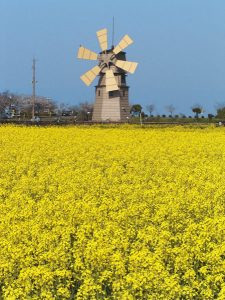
(20, 106)
(196, 109)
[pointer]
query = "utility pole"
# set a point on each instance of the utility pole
(141, 122)
(34, 87)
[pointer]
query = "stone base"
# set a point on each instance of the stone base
(111, 107)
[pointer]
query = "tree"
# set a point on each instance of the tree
(220, 111)
(181, 115)
(86, 106)
(85, 111)
(150, 108)
(136, 109)
(8, 102)
(210, 116)
(170, 108)
(197, 109)
(44, 106)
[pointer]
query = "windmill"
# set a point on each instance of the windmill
(111, 92)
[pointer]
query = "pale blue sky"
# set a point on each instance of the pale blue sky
(179, 44)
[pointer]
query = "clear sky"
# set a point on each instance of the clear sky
(179, 44)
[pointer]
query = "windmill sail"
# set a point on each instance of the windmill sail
(111, 84)
(84, 53)
(102, 38)
(124, 43)
(128, 66)
(90, 75)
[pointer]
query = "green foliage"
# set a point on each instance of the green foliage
(197, 109)
(136, 109)
(220, 113)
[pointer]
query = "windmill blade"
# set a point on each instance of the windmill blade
(124, 43)
(84, 53)
(102, 38)
(110, 81)
(128, 66)
(90, 75)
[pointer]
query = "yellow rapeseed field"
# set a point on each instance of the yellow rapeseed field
(112, 213)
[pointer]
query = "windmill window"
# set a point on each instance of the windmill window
(124, 93)
(99, 92)
(113, 94)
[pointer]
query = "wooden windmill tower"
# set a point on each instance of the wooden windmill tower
(111, 92)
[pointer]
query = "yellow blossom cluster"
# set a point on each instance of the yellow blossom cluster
(112, 213)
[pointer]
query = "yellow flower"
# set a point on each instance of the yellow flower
(112, 213)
